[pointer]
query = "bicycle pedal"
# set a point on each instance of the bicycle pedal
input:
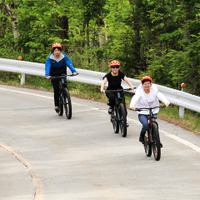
(57, 109)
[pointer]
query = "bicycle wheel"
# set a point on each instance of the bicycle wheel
(60, 113)
(156, 141)
(67, 103)
(122, 120)
(147, 143)
(115, 121)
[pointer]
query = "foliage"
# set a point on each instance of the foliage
(148, 37)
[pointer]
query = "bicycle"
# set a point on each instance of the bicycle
(64, 96)
(118, 115)
(152, 139)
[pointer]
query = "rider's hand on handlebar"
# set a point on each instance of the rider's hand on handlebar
(132, 108)
(75, 73)
(132, 88)
(103, 91)
(167, 105)
(48, 77)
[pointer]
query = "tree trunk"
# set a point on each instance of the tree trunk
(14, 17)
(102, 36)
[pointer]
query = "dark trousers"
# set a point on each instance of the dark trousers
(55, 84)
(112, 96)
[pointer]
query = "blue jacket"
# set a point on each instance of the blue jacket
(55, 67)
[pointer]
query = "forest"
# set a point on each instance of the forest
(159, 38)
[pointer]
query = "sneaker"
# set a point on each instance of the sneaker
(141, 139)
(57, 109)
(110, 110)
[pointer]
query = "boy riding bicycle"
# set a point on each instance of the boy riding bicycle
(114, 79)
(55, 66)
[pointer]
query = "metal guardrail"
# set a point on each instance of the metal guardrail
(176, 97)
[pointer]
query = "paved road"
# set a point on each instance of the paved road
(47, 157)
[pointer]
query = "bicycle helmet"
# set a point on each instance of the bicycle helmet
(56, 45)
(114, 63)
(146, 78)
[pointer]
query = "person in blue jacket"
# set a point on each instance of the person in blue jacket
(55, 66)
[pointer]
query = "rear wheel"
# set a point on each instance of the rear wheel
(114, 121)
(156, 142)
(67, 104)
(147, 143)
(122, 120)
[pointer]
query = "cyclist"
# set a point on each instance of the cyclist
(114, 78)
(147, 96)
(56, 66)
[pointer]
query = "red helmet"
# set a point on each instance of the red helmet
(146, 78)
(114, 63)
(56, 45)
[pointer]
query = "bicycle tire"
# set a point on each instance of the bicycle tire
(60, 113)
(67, 103)
(122, 120)
(147, 143)
(156, 142)
(115, 121)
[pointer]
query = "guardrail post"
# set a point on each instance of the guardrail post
(22, 79)
(182, 109)
(181, 112)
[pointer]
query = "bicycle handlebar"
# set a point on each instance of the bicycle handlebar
(139, 109)
(62, 76)
(119, 90)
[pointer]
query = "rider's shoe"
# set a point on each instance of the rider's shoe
(141, 139)
(110, 110)
(57, 109)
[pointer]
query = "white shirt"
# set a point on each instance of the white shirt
(143, 100)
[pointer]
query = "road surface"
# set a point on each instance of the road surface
(45, 157)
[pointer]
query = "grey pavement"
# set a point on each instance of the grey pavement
(46, 157)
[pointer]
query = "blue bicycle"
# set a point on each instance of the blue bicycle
(118, 115)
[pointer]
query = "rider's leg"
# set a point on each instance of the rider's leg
(144, 121)
(111, 97)
(55, 84)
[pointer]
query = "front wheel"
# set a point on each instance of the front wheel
(115, 121)
(67, 104)
(122, 120)
(156, 142)
(147, 143)
(60, 113)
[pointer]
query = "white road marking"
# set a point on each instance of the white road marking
(178, 139)
(27, 93)
(185, 142)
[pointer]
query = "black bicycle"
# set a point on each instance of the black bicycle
(64, 96)
(152, 139)
(118, 115)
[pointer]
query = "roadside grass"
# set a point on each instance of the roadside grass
(191, 121)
